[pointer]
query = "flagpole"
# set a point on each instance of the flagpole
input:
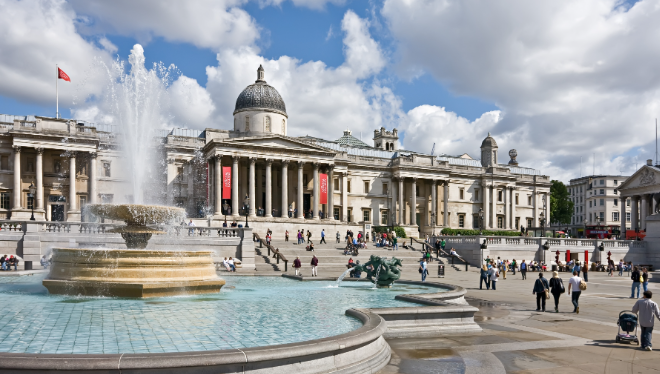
(57, 94)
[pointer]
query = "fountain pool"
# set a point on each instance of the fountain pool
(249, 312)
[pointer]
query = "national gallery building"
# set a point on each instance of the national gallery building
(54, 167)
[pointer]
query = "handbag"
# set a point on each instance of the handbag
(583, 285)
(547, 294)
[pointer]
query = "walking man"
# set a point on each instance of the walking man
(297, 265)
(323, 237)
(314, 263)
(540, 290)
(646, 310)
(338, 237)
(424, 269)
(523, 270)
(513, 266)
(636, 278)
(309, 236)
(395, 243)
(574, 284)
(585, 272)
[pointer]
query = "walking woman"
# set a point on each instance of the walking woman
(484, 278)
(540, 289)
(556, 289)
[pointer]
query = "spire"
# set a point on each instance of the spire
(260, 74)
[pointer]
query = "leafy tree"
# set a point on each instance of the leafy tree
(561, 206)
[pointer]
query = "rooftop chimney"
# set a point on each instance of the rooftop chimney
(649, 162)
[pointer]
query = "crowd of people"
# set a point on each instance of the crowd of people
(8, 261)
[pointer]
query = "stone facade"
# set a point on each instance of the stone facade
(596, 205)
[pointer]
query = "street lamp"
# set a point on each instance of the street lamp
(546, 246)
(33, 191)
(246, 208)
(542, 216)
(481, 220)
(225, 206)
(585, 228)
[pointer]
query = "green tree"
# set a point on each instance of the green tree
(561, 206)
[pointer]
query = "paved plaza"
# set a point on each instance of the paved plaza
(517, 339)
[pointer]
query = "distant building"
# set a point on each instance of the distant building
(596, 206)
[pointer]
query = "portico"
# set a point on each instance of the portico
(639, 196)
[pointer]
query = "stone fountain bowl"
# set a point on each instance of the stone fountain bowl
(136, 214)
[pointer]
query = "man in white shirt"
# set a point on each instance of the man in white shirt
(574, 283)
(493, 274)
(646, 309)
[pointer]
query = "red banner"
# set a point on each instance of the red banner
(226, 182)
(323, 181)
(62, 75)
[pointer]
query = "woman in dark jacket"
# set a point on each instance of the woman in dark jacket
(484, 278)
(540, 286)
(556, 289)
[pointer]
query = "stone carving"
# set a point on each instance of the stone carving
(381, 271)
(647, 177)
(513, 154)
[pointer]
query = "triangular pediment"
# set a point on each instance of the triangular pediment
(644, 178)
(276, 142)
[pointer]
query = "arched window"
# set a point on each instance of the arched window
(283, 126)
(387, 146)
(247, 123)
(267, 124)
(391, 146)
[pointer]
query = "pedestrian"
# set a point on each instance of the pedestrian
(44, 262)
(443, 243)
(309, 236)
(493, 274)
(338, 236)
(620, 268)
(286, 236)
(610, 268)
(541, 289)
(484, 278)
(230, 262)
(585, 272)
(395, 243)
(297, 265)
(577, 267)
(636, 278)
(191, 224)
(314, 263)
(423, 268)
(556, 288)
(323, 237)
(504, 268)
(513, 266)
(523, 269)
(645, 279)
(574, 285)
(646, 310)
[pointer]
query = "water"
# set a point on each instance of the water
(257, 311)
(343, 275)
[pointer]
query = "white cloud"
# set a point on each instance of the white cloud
(204, 23)
(312, 4)
(36, 35)
(190, 103)
(571, 77)
(321, 101)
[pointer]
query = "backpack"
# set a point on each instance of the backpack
(523, 266)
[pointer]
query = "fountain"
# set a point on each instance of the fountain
(135, 271)
(381, 271)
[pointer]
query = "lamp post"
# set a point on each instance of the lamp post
(246, 208)
(481, 220)
(585, 228)
(546, 246)
(542, 216)
(225, 206)
(33, 191)
(483, 246)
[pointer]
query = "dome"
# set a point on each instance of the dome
(260, 95)
(489, 142)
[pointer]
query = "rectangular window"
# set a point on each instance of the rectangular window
(602, 191)
(4, 162)
(627, 202)
(529, 222)
(461, 220)
(615, 216)
(179, 173)
(366, 215)
(4, 201)
(627, 216)
(366, 187)
(529, 200)
(517, 223)
(335, 184)
(383, 217)
(29, 167)
(616, 192)
(602, 182)
(589, 203)
(335, 213)
(500, 195)
(349, 213)
(106, 169)
(602, 217)
(82, 201)
(616, 183)
(305, 180)
(461, 193)
(517, 199)
(385, 188)
(602, 202)
(348, 186)
(476, 194)
(616, 202)
(500, 222)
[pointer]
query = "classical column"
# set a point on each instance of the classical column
(17, 178)
(445, 204)
(73, 204)
(535, 212)
(218, 185)
(434, 203)
(252, 185)
(622, 217)
(234, 186)
(172, 174)
(285, 189)
(315, 205)
(331, 192)
(344, 196)
(513, 209)
(634, 212)
(39, 200)
(301, 213)
(401, 203)
(645, 207)
(493, 210)
(486, 205)
(392, 216)
(413, 202)
(505, 207)
(269, 187)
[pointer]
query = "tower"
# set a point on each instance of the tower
(488, 152)
(386, 140)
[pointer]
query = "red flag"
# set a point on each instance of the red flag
(226, 182)
(323, 180)
(62, 75)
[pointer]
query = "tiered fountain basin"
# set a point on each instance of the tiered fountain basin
(131, 273)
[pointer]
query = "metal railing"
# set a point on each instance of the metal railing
(276, 252)
(432, 248)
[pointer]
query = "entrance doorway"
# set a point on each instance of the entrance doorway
(307, 203)
(57, 212)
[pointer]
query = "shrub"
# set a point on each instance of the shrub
(400, 232)
(466, 232)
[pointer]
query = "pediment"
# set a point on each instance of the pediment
(644, 178)
(277, 142)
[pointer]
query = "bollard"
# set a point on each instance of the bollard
(466, 265)
(441, 271)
